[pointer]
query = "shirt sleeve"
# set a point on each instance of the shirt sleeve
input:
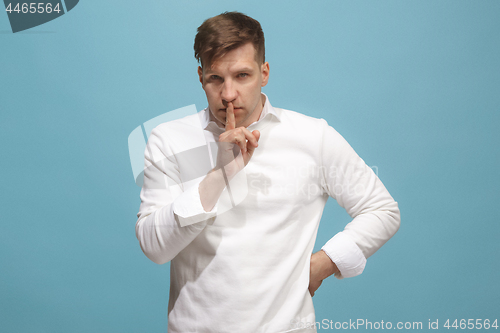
(375, 215)
(171, 214)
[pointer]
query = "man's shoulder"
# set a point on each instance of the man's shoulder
(297, 119)
(184, 131)
(187, 122)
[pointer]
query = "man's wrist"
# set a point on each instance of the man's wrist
(211, 188)
(327, 266)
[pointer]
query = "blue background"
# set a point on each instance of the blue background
(414, 86)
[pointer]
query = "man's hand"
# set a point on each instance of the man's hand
(321, 268)
(246, 140)
(214, 183)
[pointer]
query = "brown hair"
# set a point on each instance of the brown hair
(225, 32)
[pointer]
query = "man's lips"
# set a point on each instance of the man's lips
(234, 108)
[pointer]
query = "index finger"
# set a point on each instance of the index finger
(230, 122)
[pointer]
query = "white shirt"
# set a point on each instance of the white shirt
(244, 266)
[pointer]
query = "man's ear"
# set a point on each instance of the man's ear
(265, 73)
(200, 74)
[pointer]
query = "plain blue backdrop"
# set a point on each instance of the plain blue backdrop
(414, 86)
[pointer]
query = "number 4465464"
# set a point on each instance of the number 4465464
(33, 7)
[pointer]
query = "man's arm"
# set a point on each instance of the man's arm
(171, 214)
(170, 218)
(227, 165)
(375, 214)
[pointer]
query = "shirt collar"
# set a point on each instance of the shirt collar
(267, 112)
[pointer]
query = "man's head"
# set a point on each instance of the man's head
(225, 32)
(230, 48)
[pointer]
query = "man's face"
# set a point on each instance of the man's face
(235, 78)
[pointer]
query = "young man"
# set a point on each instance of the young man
(240, 238)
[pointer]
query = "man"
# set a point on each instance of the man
(240, 237)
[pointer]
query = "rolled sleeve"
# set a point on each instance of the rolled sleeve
(188, 208)
(344, 252)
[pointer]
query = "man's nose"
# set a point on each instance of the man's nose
(228, 93)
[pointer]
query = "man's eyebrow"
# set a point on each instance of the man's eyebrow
(244, 69)
(207, 70)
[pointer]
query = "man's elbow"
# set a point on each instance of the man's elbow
(150, 245)
(154, 253)
(157, 259)
(390, 218)
(395, 218)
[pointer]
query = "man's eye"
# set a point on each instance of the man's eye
(214, 77)
(243, 75)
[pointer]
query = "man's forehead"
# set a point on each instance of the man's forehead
(238, 56)
(243, 66)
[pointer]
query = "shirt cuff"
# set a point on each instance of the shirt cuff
(344, 252)
(188, 209)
